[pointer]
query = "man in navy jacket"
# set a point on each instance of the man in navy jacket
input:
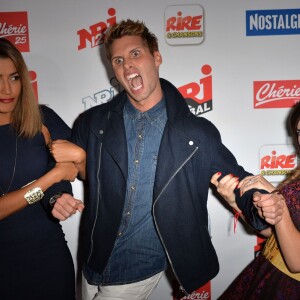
(148, 161)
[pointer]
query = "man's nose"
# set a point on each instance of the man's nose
(127, 64)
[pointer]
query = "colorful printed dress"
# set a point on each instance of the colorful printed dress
(261, 279)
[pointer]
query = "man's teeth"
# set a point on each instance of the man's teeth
(129, 77)
(136, 88)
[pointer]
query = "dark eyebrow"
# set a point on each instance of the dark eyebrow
(137, 48)
(12, 74)
(113, 58)
(134, 49)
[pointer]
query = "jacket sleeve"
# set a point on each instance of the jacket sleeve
(80, 130)
(224, 161)
(58, 129)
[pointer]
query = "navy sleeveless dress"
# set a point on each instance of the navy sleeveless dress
(35, 261)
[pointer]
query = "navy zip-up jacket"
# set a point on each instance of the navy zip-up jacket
(191, 151)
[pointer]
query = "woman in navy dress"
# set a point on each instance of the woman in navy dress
(35, 261)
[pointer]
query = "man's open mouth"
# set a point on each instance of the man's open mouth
(135, 81)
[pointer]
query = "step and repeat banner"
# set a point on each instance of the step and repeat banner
(236, 63)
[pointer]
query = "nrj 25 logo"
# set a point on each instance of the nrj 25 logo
(184, 24)
(96, 32)
(276, 161)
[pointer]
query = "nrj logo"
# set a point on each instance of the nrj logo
(96, 33)
(102, 96)
(276, 161)
(198, 95)
(184, 24)
(276, 94)
(14, 27)
(259, 245)
(33, 79)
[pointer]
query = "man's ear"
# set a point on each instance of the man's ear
(158, 58)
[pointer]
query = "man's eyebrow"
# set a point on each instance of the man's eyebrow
(117, 56)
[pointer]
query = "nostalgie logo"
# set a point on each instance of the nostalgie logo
(184, 24)
(276, 94)
(272, 22)
(276, 161)
(198, 95)
(203, 293)
(96, 32)
(14, 27)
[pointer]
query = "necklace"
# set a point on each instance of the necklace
(14, 170)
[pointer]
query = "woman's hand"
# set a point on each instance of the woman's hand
(257, 181)
(269, 206)
(226, 187)
(65, 151)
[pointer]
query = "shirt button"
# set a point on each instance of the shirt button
(191, 143)
(140, 136)
(133, 187)
(136, 161)
(120, 233)
(128, 213)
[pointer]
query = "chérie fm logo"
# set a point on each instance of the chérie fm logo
(14, 27)
(276, 93)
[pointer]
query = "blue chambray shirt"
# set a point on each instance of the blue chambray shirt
(138, 252)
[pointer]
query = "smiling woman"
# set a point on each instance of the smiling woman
(34, 255)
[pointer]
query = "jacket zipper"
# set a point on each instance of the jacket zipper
(98, 197)
(181, 288)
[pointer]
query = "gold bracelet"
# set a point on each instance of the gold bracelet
(34, 195)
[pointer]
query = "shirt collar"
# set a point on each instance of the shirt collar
(152, 114)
